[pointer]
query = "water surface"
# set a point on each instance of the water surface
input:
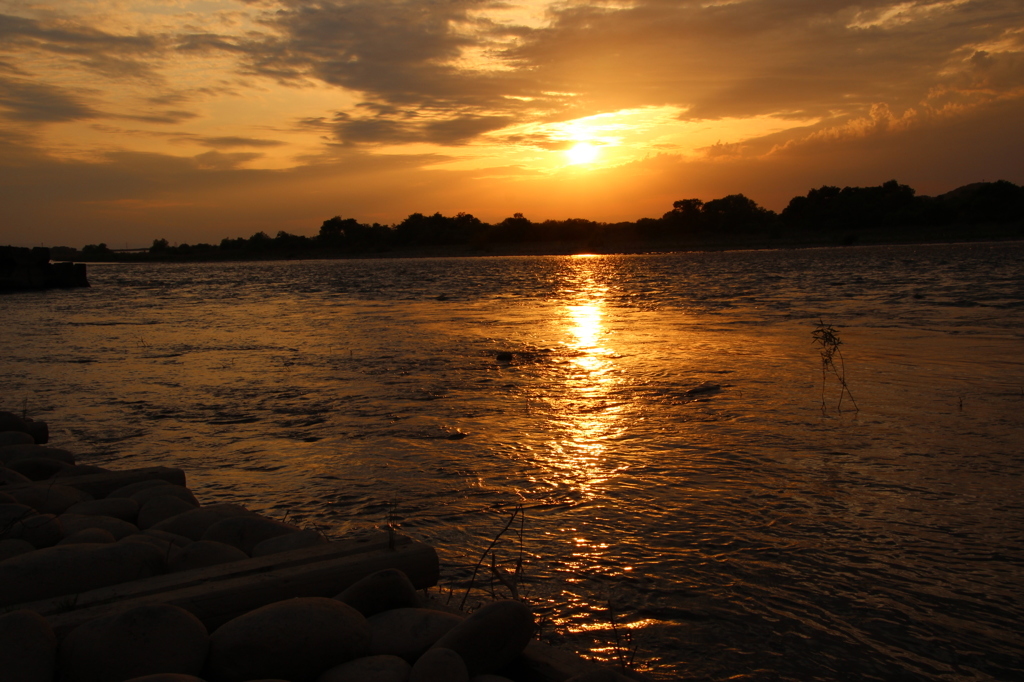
(660, 422)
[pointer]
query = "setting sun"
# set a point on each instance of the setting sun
(584, 152)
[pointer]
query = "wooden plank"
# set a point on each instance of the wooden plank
(211, 575)
(101, 485)
(216, 603)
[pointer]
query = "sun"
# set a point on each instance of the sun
(582, 152)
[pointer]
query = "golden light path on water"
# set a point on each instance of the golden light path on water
(592, 416)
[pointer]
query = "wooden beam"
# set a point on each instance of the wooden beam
(217, 594)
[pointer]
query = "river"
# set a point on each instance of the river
(694, 496)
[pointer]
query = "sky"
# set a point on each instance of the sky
(124, 121)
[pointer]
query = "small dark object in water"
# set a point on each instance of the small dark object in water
(504, 356)
(458, 435)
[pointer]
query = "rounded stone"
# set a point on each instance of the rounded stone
(178, 540)
(288, 542)
(145, 640)
(122, 508)
(15, 438)
(50, 498)
(381, 591)
(12, 547)
(160, 508)
(75, 522)
(132, 488)
(295, 639)
(38, 468)
(375, 668)
(12, 477)
(80, 470)
(12, 453)
(490, 678)
(166, 677)
(28, 647)
(193, 524)
(70, 569)
(491, 637)
(179, 491)
(40, 530)
(439, 665)
(88, 535)
(409, 632)
(245, 532)
(39, 431)
(203, 553)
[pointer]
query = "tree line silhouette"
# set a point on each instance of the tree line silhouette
(825, 215)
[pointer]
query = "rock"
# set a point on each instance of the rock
(295, 639)
(439, 665)
(203, 553)
(49, 498)
(11, 422)
(88, 535)
(15, 438)
(598, 676)
(490, 678)
(73, 523)
(408, 632)
(245, 532)
(192, 524)
(39, 431)
(132, 488)
(369, 669)
(12, 453)
(10, 476)
(178, 540)
(491, 637)
(119, 507)
(28, 647)
(179, 491)
(80, 470)
(41, 530)
(161, 508)
(13, 547)
(167, 677)
(144, 640)
(381, 591)
(38, 468)
(288, 542)
(69, 569)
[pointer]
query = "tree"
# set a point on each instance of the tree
(159, 246)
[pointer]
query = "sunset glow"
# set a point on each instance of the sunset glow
(236, 116)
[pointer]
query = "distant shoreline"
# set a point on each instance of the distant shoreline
(881, 236)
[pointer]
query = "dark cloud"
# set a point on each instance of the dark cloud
(229, 142)
(31, 102)
(216, 160)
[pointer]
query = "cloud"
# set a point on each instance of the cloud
(229, 142)
(29, 102)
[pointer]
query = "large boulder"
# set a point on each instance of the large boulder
(369, 669)
(288, 542)
(160, 508)
(144, 640)
(87, 536)
(122, 508)
(295, 639)
(12, 453)
(70, 569)
(15, 438)
(11, 547)
(39, 468)
(193, 524)
(41, 530)
(381, 591)
(80, 470)
(132, 488)
(11, 422)
(408, 632)
(439, 665)
(491, 637)
(179, 491)
(73, 523)
(166, 677)
(49, 498)
(245, 532)
(12, 477)
(28, 647)
(203, 553)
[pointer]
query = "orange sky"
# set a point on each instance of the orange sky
(122, 121)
